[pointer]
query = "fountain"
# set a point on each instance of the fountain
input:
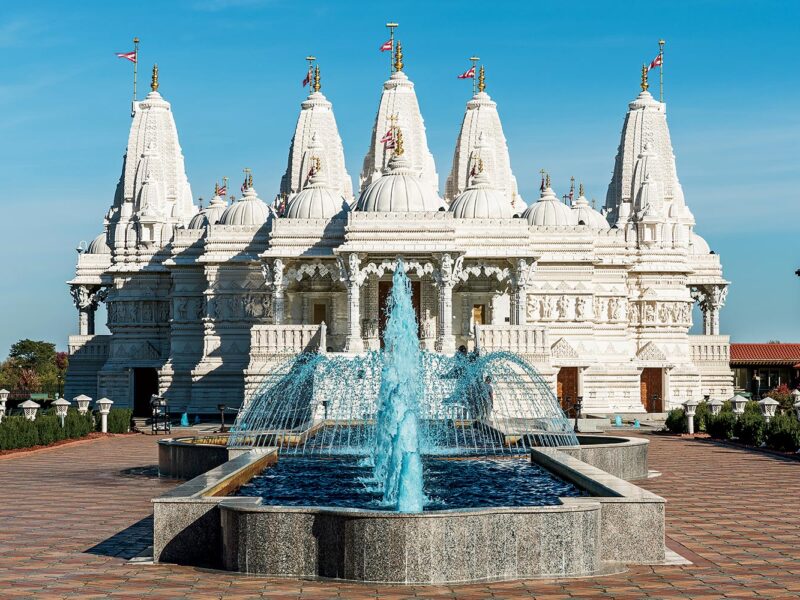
(392, 408)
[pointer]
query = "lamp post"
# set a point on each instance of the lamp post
(768, 406)
(3, 397)
(83, 403)
(715, 404)
(61, 407)
(578, 409)
(690, 406)
(29, 408)
(738, 402)
(222, 408)
(104, 407)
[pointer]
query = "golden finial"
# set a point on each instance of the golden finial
(398, 144)
(547, 181)
(572, 184)
(398, 57)
(154, 81)
(580, 190)
(481, 80)
(480, 165)
(645, 85)
(250, 181)
(216, 189)
(317, 164)
(317, 86)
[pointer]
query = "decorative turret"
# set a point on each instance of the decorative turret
(645, 136)
(250, 210)
(211, 214)
(481, 200)
(317, 200)
(316, 135)
(153, 194)
(585, 214)
(549, 211)
(399, 108)
(481, 137)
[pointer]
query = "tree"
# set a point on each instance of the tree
(37, 356)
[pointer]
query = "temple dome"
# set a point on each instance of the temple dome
(209, 215)
(584, 214)
(698, 246)
(481, 201)
(99, 245)
(399, 190)
(316, 201)
(549, 211)
(250, 210)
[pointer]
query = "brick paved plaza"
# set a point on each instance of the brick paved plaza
(70, 520)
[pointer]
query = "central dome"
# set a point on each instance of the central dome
(481, 201)
(316, 201)
(399, 190)
(549, 211)
(250, 210)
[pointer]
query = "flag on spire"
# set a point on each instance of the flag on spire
(657, 61)
(223, 191)
(388, 139)
(131, 56)
(307, 79)
(387, 46)
(468, 74)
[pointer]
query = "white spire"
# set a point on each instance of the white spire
(399, 109)
(316, 135)
(153, 174)
(482, 136)
(645, 135)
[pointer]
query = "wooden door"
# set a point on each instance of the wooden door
(320, 313)
(384, 290)
(652, 394)
(567, 385)
(478, 314)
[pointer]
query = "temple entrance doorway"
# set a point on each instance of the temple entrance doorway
(567, 386)
(652, 393)
(145, 384)
(384, 290)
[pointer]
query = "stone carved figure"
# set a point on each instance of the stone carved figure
(563, 307)
(549, 308)
(534, 308)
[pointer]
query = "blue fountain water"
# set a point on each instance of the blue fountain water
(397, 459)
(389, 409)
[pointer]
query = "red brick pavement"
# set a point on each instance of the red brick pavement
(69, 522)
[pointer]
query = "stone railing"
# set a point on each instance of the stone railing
(710, 348)
(89, 346)
(287, 339)
(521, 339)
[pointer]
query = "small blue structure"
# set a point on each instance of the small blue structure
(617, 421)
(636, 423)
(185, 420)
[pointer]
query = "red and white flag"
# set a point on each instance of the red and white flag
(388, 138)
(131, 56)
(469, 74)
(657, 61)
(222, 191)
(307, 80)
(387, 46)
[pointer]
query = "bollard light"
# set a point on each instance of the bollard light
(83, 403)
(715, 404)
(796, 404)
(3, 397)
(768, 406)
(690, 406)
(738, 402)
(104, 407)
(61, 407)
(29, 408)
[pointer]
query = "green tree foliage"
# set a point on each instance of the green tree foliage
(783, 395)
(721, 426)
(18, 432)
(783, 433)
(750, 427)
(33, 366)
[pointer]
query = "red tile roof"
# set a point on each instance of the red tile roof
(775, 354)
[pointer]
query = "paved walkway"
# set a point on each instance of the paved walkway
(70, 520)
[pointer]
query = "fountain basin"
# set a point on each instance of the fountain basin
(202, 523)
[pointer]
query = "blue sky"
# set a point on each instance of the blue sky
(562, 74)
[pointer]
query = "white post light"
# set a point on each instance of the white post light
(796, 404)
(104, 406)
(61, 407)
(768, 406)
(3, 397)
(29, 408)
(715, 405)
(738, 402)
(83, 403)
(690, 406)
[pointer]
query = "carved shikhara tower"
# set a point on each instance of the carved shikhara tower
(202, 304)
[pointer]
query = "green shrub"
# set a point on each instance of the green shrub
(721, 426)
(119, 420)
(783, 433)
(701, 417)
(48, 429)
(783, 395)
(676, 421)
(752, 407)
(77, 425)
(750, 428)
(17, 432)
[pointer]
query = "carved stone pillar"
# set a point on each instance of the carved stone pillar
(522, 273)
(274, 277)
(87, 299)
(353, 278)
(716, 298)
(446, 277)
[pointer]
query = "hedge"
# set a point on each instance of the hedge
(783, 433)
(19, 432)
(749, 428)
(676, 421)
(721, 426)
